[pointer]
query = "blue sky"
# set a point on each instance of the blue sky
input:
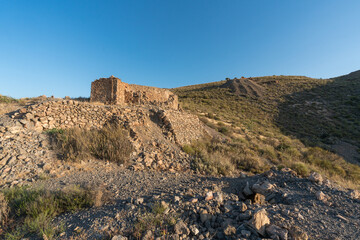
(59, 47)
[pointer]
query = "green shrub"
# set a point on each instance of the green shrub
(188, 149)
(301, 169)
(225, 130)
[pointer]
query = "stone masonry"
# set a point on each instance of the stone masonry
(113, 91)
(156, 134)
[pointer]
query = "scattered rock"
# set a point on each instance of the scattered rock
(247, 191)
(263, 187)
(259, 221)
(209, 196)
(355, 194)
(193, 200)
(219, 197)
(298, 234)
(276, 232)
(148, 235)
(139, 201)
(316, 177)
(181, 228)
(194, 230)
(258, 199)
(320, 196)
(229, 230)
(204, 216)
(119, 237)
(243, 207)
(246, 233)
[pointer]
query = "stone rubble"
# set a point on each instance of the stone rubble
(293, 215)
(156, 135)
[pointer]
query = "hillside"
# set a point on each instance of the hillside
(259, 158)
(304, 123)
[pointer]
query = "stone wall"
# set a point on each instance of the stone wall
(103, 90)
(177, 125)
(113, 91)
(156, 134)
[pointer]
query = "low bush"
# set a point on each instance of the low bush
(4, 210)
(109, 143)
(156, 220)
(213, 156)
(332, 164)
(31, 210)
(6, 99)
(301, 169)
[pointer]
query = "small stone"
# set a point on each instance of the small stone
(228, 208)
(276, 232)
(209, 196)
(259, 221)
(119, 237)
(193, 200)
(243, 175)
(139, 201)
(247, 191)
(177, 199)
(181, 228)
(298, 234)
(219, 197)
(355, 194)
(148, 235)
(194, 230)
(258, 199)
(243, 207)
(316, 177)
(229, 230)
(246, 233)
(320, 196)
(204, 216)
(262, 188)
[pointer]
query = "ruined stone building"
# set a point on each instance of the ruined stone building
(113, 91)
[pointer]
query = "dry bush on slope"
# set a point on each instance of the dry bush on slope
(109, 143)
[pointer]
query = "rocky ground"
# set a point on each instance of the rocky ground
(273, 205)
(144, 203)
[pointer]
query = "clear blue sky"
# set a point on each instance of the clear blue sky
(59, 47)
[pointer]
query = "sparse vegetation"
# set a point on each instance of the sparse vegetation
(6, 99)
(109, 143)
(293, 125)
(31, 210)
(157, 220)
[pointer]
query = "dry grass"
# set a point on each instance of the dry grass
(109, 143)
(4, 210)
(156, 220)
(31, 210)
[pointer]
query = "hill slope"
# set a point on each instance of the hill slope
(298, 122)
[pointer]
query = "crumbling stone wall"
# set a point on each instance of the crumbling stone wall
(113, 91)
(179, 126)
(156, 134)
